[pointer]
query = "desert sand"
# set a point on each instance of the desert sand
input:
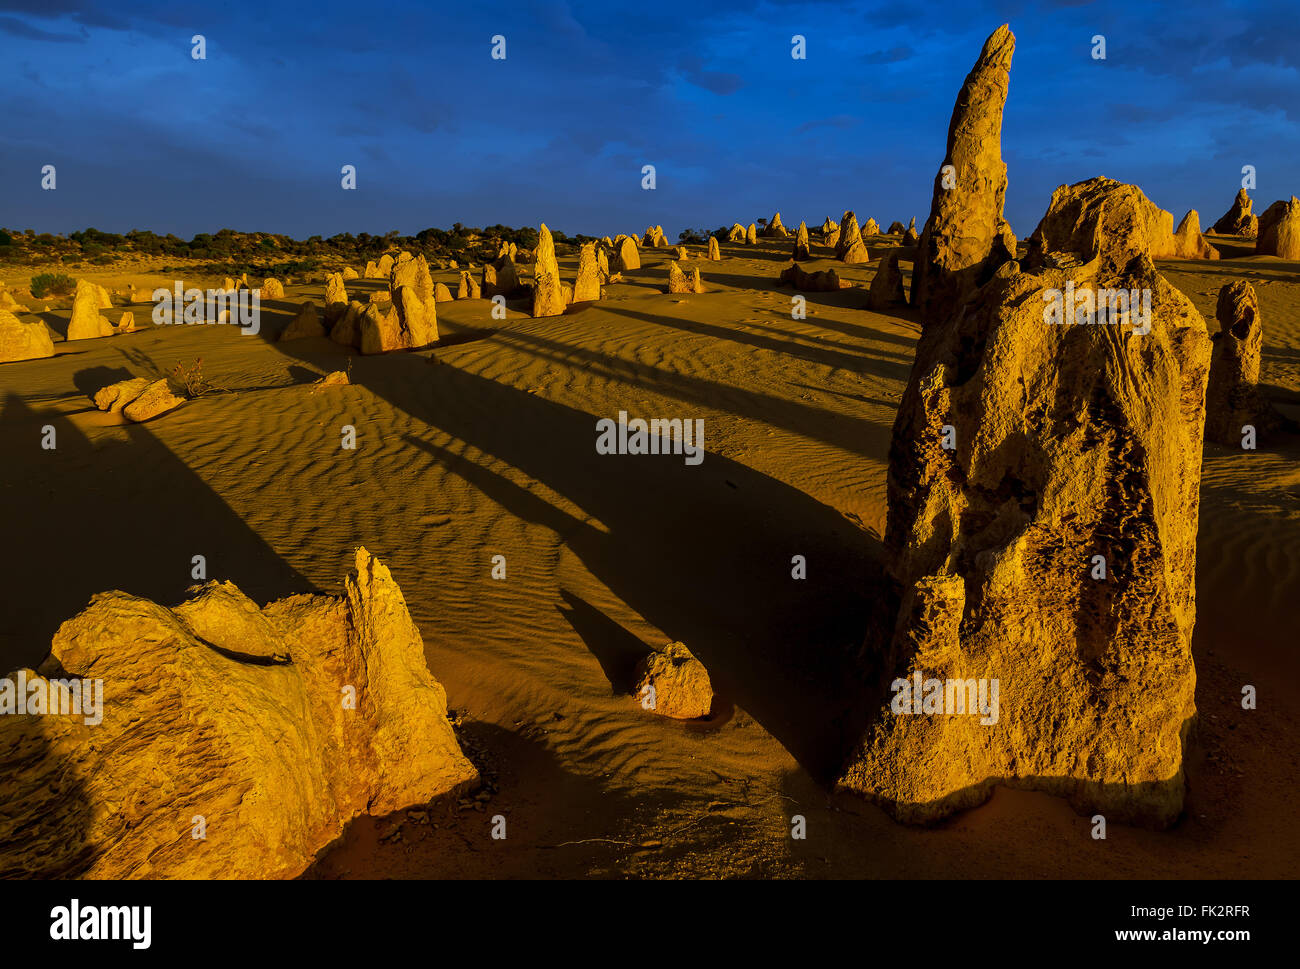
(482, 445)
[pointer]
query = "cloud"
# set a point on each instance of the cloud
(19, 28)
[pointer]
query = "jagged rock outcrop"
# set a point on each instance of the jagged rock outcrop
(272, 288)
(626, 256)
(305, 324)
(831, 238)
(673, 683)
(372, 271)
(347, 331)
(737, 233)
(586, 286)
(1238, 220)
(348, 273)
(824, 281)
(23, 340)
(966, 238)
(1028, 443)
(849, 247)
(775, 229)
(1233, 399)
(887, 286)
(86, 323)
(336, 297)
(872, 228)
(896, 228)
(548, 294)
(203, 718)
(654, 237)
(1188, 241)
(1279, 230)
(385, 266)
(381, 330)
(801, 244)
(418, 317)
(138, 398)
(1106, 219)
(680, 282)
(469, 286)
(715, 254)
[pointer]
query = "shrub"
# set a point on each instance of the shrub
(52, 284)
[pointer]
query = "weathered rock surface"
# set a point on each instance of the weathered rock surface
(1238, 220)
(848, 236)
(23, 340)
(887, 286)
(872, 228)
(469, 287)
(825, 281)
(86, 323)
(751, 234)
(272, 288)
(737, 233)
(1233, 399)
(715, 254)
(586, 287)
(678, 281)
(801, 244)
(548, 295)
(626, 257)
(202, 716)
(1188, 241)
(775, 229)
(381, 330)
(156, 398)
(673, 683)
(117, 395)
(966, 238)
(1105, 219)
(306, 323)
(347, 331)
(1279, 230)
(1068, 441)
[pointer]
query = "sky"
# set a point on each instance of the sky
(254, 136)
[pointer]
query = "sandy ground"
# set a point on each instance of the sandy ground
(485, 446)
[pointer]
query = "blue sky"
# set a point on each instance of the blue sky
(253, 137)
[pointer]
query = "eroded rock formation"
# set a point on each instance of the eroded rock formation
(673, 683)
(1279, 230)
(1042, 512)
(23, 340)
(966, 238)
(1233, 399)
(276, 725)
(1238, 220)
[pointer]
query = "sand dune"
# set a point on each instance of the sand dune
(483, 446)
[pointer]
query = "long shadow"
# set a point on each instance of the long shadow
(88, 518)
(841, 430)
(704, 553)
(616, 649)
(861, 361)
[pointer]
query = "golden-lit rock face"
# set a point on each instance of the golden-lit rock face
(1279, 230)
(237, 719)
(1023, 450)
(966, 238)
(1107, 220)
(1189, 243)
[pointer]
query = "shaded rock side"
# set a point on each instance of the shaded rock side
(1233, 399)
